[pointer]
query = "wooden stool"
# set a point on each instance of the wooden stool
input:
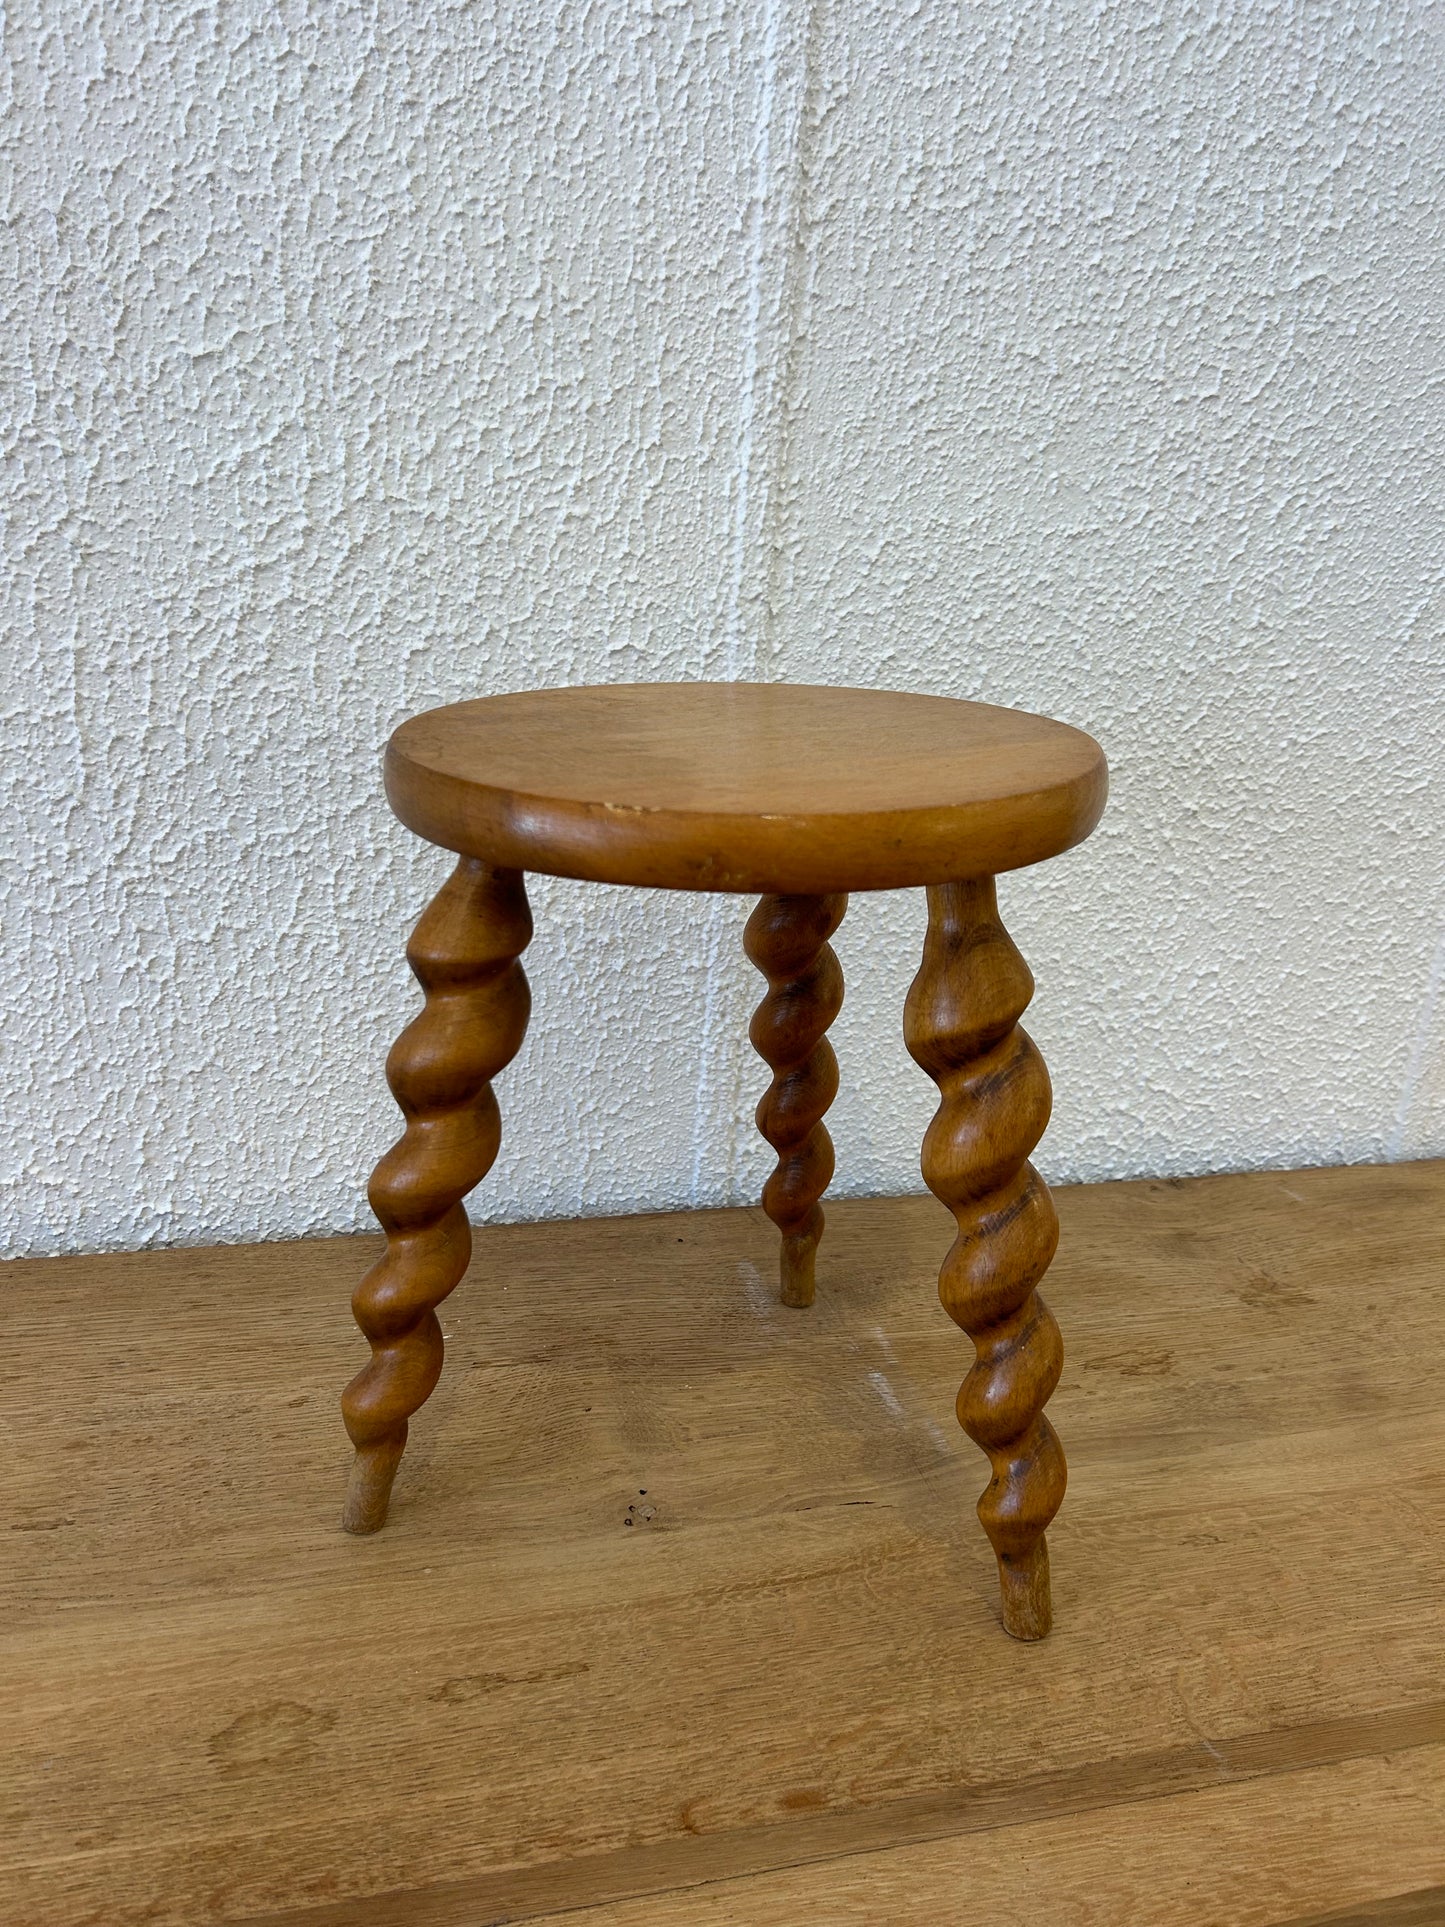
(798, 795)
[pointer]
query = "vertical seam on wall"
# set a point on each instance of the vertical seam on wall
(795, 298)
(749, 471)
(775, 240)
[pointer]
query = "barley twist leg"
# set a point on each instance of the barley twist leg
(961, 1026)
(787, 938)
(464, 953)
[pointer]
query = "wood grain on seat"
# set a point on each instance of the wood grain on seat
(746, 786)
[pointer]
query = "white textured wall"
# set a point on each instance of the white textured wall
(360, 358)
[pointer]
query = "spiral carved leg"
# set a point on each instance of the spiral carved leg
(464, 953)
(961, 1025)
(787, 938)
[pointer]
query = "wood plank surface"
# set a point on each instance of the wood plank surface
(1423, 1907)
(1191, 1862)
(683, 1599)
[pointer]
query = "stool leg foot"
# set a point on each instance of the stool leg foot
(787, 939)
(961, 1026)
(464, 954)
(368, 1490)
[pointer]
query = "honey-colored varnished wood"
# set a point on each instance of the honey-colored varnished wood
(961, 1025)
(696, 1610)
(464, 954)
(787, 939)
(757, 787)
(801, 794)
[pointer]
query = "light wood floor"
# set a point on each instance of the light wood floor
(684, 1615)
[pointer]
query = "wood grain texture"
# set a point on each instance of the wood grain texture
(756, 787)
(464, 955)
(690, 1588)
(961, 1025)
(1425, 1907)
(824, 1846)
(787, 939)
(1193, 1862)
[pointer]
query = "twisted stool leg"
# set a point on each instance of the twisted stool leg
(464, 953)
(961, 1025)
(787, 938)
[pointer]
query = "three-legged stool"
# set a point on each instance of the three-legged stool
(797, 795)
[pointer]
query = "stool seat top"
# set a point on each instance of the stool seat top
(756, 787)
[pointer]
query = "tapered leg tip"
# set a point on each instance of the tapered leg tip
(796, 1271)
(359, 1522)
(368, 1492)
(1024, 1597)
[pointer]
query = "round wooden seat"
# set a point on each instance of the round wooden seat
(758, 787)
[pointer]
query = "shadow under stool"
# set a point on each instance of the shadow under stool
(798, 796)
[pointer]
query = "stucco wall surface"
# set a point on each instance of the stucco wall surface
(360, 358)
